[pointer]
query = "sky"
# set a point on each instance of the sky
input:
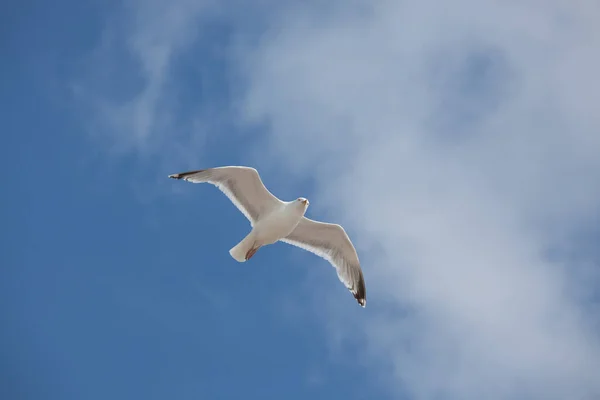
(457, 144)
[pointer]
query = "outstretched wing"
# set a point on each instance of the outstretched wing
(242, 185)
(331, 242)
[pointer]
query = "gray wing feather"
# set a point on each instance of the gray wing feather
(331, 242)
(242, 185)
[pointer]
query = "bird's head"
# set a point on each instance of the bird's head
(303, 201)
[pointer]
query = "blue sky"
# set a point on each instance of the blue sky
(108, 295)
(438, 142)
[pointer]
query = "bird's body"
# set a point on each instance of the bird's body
(274, 220)
(280, 222)
(274, 226)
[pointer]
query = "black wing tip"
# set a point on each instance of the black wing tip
(183, 175)
(360, 295)
(361, 300)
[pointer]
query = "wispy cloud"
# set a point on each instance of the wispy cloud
(128, 86)
(461, 143)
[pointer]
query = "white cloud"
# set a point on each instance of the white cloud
(127, 84)
(463, 143)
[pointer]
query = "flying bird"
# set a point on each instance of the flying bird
(275, 220)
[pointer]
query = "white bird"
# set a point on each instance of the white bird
(274, 220)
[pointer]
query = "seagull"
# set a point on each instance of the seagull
(274, 220)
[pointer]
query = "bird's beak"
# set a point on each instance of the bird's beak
(305, 202)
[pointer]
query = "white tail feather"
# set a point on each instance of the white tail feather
(239, 251)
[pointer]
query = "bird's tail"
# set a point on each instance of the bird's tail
(245, 249)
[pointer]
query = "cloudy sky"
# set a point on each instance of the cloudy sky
(457, 142)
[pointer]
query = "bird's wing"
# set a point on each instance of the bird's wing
(242, 185)
(331, 242)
